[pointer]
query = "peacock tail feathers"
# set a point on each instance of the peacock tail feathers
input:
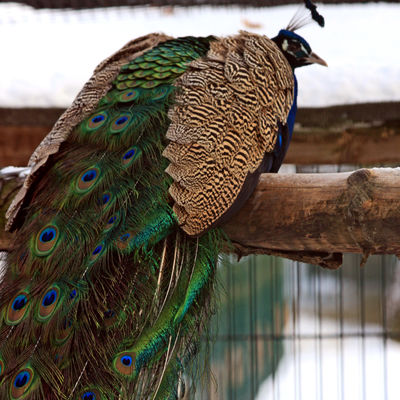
(104, 296)
(104, 289)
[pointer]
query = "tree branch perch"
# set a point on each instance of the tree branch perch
(317, 217)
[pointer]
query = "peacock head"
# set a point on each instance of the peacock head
(296, 49)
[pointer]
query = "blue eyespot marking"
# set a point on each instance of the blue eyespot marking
(97, 250)
(98, 118)
(73, 294)
(125, 237)
(129, 95)
(106, 198)
(109, 314)
(46, 240)
(111, 220)
(49, 304)
(50, 298)
(121, 120)
(47, 235)
(96, 121)
(120, 123)
(126, 360)
(19, 302)
(123, 241)
(88, 396)
(129, 154)
(89, 175)
(87, 179)
(21, 379)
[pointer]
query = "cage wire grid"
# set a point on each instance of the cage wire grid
(320, 309)
(297, 331)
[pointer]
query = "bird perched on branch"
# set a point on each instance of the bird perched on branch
(109, 285)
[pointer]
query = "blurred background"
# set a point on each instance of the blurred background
(285, 330)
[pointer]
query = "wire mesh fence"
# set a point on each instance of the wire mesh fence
(288, 330)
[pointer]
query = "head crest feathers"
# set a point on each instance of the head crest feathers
(302, 17)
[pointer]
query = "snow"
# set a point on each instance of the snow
(21, 172)
(47, 55)
(317, 364)
(315, 370)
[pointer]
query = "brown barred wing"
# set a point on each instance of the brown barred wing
(224, 121)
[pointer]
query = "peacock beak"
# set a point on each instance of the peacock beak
(314, 59)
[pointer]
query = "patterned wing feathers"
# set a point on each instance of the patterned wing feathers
(226, 117)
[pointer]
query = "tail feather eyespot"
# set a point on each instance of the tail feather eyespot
(87, 179)
(124, 363)
(130, 156)
(17, 309)
(120, 123)
(112, 222)
(22, 383)
(46, 240)
(91, 394)
(97, 252)
(48, 303)
(96, 121)
(123, 240)
(129, 95)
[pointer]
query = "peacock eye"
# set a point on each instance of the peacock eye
(294, 47)
(22, 382)
(91, 394)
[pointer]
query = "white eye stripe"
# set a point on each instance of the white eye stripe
(303, 48)
(294, 47)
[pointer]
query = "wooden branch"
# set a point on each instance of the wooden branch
(321, 215)
(21, 131)
(308, 217)
(349, 134)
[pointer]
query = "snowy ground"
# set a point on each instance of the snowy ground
(317, 364)
(324, 370)
(48, 55)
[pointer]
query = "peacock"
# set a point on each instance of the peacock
(111, 282)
